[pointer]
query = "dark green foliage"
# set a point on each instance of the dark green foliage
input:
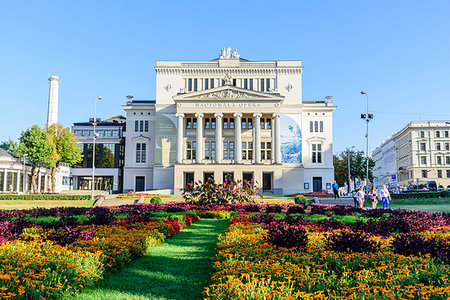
(301, 200)
(349, 241)
(282, 234)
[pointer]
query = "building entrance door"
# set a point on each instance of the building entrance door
(188, 179)
(267, 182)
(317, 184)
(247, 177)
(140, 183)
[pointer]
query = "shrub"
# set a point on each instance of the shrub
(300, 199)
(275, 208)
(349, 241)
(154, 200)
(11, 230)
(100, 216)
(208, 214)
(231, 191)
(282, 234)
(414, 244)
(297, 209)
(263, 218)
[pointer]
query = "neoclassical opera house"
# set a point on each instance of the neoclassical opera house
(229, 117)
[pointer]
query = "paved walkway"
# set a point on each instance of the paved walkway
(180, 268)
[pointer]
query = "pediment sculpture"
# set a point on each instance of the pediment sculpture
(225, 94)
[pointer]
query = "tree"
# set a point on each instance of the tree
(66, 148)
(357, 167)
(10, 146)
(41, 152)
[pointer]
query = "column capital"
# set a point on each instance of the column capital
(218, 115)
(179, 115)
(276, 115)
(257, 115)
(199, 115)
(237, 115)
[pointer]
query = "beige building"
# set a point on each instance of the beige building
(422, 153)
(229, 117)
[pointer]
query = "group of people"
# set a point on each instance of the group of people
(374, 195)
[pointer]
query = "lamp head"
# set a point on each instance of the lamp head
(362, 92)
(99, 98)
(129, 97)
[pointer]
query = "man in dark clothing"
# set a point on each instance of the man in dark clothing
(335, 190)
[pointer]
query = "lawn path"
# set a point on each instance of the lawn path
(180, 268)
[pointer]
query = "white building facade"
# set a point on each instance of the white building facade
(229, 117)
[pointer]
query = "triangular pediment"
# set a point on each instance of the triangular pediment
(228, 92)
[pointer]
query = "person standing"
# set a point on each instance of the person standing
(335, 187)
(374, 197)
(360, 197)
(385, 197)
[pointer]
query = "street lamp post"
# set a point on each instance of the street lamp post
(367, 117)
(93, 148)
(349, 178)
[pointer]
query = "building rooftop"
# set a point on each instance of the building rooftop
(113, 121)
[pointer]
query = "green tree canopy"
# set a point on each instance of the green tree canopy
(10, 146)
(35, 143)
(357, 166)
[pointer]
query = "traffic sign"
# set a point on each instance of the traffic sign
(358, 183)
(394, 177)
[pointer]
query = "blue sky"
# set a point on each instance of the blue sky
(397, 51)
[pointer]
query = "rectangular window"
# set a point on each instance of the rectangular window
(244, 123)
(447, 146)
(141, 152)
(245, 83)
(439, 160)
(115, 133)
(439, 173)
(190, 84)
(422, 146)
(251, 84)
(447, 160)
(268, 123)
(234, 82)
(207, 124)
(422, 134)
(446, 133)
(263, 123)
(438, 134)
(212, 82)
(194, 123)
(188, 123)
(231, 123)
(210, 150)
(321, 126)
(267, 84)
(228, 150)
(317, 153)
(195, 84)
(141, 126)
(225, 123)
(249, 123)
(311, 126)
(448, 173)
(262, 85)
(146, 126)
(190, 150)
(424, 173)
(266, 150)
(206, 84)
(136, 126)
(438, 146)
(423, 160)
(316, 126)
(213, 123)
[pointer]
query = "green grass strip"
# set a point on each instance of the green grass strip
(180, 268)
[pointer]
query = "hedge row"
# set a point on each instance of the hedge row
(43, 197)
(421, 195)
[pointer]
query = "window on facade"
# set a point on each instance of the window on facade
(423, 160)
(210, 150)
(439, 160)
(317, 153)
(447, 146)
(231, 124)
(438, 146)
(228, 150)
(195, 84)
(234, 82)
(311, 126)
(251, 84)
(247, 150)
(245, 83)
(448, 173)
(262, 85)
(316, 126)
(141, 126)
(190, 84)
(244, 123)
(321, 126)
(213, 123)
(146, 126)
(438, 134)
(115, 133)
(108, 155)
(422, 134)
(207, 123)
(268, 123)
(266, 150)
(194, 123)
(267, 84)
(107, 133)
(423, 146)
(225, 123)
(190, 150)
(249, 123)
(424, 173)
(136, 126)
(446, 133)
(188, 123)
(439, 173)
(211, 81)
(206, 84)
(263, 123)
(141, 152)
(447, 160)
(223, 82)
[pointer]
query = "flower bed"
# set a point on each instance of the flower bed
(247, 266)
(44, 260)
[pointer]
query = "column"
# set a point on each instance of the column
(257, 139)
(276, 138)
(199, 149)
(237, 138)
(17, 188)
(180, 141)
(219, 148)
(5, 186)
